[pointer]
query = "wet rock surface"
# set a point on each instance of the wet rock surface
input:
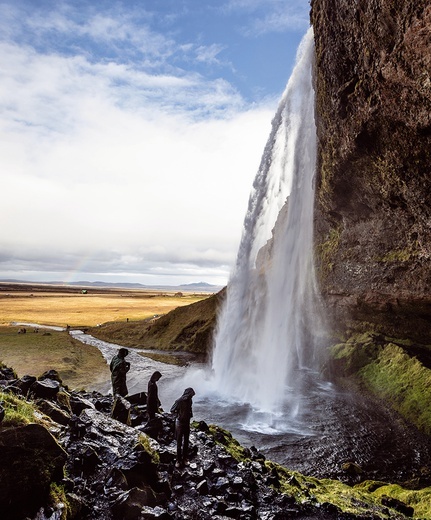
(115, 476)
(117, 471)
(30, 459)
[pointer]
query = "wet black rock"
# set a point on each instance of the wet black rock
(398, 506)
(30, 459)
(7, 374)
(119, 471)
(53, 411)
(46, 388)
(78, 403)
(24, 383)
(52, 375)
(121, 410)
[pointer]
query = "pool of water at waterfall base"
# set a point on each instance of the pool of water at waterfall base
(316, 433)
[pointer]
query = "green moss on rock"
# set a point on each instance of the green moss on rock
(18, 411)
(403, 381)
(419, 500)
(232, 446)
(385, 367)
(360, 500)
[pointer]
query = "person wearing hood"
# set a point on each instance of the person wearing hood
(182, 409)
(153, 402)
(119, 368)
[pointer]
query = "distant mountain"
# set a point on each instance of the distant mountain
(199, 286)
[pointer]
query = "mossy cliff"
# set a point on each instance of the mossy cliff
(373, 197)
(394, 370)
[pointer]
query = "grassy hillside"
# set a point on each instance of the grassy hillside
(186, 328)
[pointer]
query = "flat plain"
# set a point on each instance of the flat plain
(85, 307)
(79, 365)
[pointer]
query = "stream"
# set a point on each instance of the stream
(331, 429)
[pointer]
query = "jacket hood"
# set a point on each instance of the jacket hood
(188, 392)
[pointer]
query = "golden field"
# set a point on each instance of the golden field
(71, 307)
(79, 365)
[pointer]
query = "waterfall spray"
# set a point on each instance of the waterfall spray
(264, 333)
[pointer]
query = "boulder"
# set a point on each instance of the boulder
(30, 459)
(77, 404)
(63, 401)
(130, 503)
(45, 389)
(54, 412)
(51, 374)
(121, 410)
(7, 374)
(152, 428)
(24, 383)
(137, 399)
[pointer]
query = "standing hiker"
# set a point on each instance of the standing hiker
(119, 368)
(153, 402)
(182, 409)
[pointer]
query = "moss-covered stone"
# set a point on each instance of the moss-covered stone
(360, 500)
(145, 443)
(365, 500)
(30, 460)
(232, 446)
(18, 411)
(59, 500)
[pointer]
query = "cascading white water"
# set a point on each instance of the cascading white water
(265, 329)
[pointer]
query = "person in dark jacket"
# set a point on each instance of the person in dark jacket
(119, 368)
(153, 401)
(182, 409)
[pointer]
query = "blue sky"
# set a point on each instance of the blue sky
(131, 131)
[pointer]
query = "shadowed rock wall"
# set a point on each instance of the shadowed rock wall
(373, 193)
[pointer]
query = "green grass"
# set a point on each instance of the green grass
(79, 366)
(18, 411)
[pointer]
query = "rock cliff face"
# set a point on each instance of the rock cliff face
(373, 196)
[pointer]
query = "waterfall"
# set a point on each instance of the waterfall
(264, 337)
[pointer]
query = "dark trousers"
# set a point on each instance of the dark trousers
(119, 387)
(182, 435)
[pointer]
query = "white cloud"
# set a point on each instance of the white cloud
(120, 159)
(209, 54)
(135, 173)
(272, 15)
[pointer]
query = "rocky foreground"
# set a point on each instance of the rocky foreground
(78, 455)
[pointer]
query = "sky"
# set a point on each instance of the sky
(131, 132)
